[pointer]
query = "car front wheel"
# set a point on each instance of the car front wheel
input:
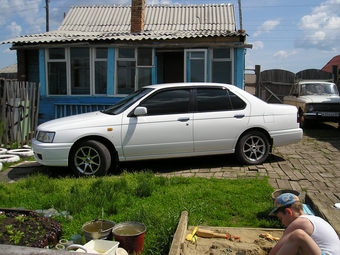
(252, 148)
(90, 158)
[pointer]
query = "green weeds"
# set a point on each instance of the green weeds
(155, 201)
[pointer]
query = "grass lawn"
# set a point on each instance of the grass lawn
(155, 201)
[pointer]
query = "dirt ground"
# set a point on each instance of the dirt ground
(250, 242)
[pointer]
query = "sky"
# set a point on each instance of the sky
(286, 34)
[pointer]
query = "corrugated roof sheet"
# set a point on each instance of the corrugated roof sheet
(111, 22)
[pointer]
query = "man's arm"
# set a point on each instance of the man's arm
(299, 223)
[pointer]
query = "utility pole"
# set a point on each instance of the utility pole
(47, 16)
(240, 13)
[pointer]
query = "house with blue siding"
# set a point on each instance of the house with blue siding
(101, 53)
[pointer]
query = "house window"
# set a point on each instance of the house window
(56, 69)
(221, 66)
(100, 71)
(77, 71)
(133, 69)
(144, 66)
(80, 71)
(196, 67)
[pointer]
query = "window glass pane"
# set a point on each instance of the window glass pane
(126, 53)
(144, 77)
(57, 78)
(80, 71)
(100, 77)
(221, 72)
(197, 70)
(209, 100)
(236, 102)
(56, 53)
(126, 76)
(168, 102)
(197, 55)
(144, 57)
(221, 53)
(101, 53)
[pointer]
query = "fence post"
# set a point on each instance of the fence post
(258, 80)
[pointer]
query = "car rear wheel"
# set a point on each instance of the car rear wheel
(252, 148)
(90, 158)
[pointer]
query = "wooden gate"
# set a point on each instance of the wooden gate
(19, 112)
(272, 85)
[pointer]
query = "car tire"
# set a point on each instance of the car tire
(90, 158)
(9, 158)
(21, 152)
(252, 148)
(3, 151)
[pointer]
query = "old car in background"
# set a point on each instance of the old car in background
(168, 121)
(316, 100)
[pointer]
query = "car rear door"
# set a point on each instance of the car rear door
(166, 129)
(219, 119)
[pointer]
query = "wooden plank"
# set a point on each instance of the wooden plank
(177, 244)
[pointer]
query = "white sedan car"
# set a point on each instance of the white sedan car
(168, 121)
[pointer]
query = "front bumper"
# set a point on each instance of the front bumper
(51, 154)
(323, 116)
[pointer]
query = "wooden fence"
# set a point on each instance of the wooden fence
(19, 111)
(272, 85)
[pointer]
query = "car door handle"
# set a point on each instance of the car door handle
(183, 119)
(239, 116)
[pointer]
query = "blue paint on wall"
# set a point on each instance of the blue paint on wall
(239, 62)
(110, 70)
(42, 73)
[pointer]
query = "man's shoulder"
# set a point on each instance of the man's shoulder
(302, 223)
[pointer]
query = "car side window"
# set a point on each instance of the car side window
(216, 99)
(236, 102)
(212, 99)
(168, 102)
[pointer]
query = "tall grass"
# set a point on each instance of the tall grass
(155, 201)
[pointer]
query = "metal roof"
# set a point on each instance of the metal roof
(111, 22)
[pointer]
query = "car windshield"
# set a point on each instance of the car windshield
(319, 89)
(126, 102)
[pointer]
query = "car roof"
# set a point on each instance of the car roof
(315, 81)
(188, 84)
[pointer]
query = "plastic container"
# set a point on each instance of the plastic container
(96, 246)
(130, 235)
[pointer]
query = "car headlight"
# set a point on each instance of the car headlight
(310, 108)
(45, 137)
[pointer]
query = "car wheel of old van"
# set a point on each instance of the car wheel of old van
(90, 158)
(252, 148)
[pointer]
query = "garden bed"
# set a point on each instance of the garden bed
(27, 228)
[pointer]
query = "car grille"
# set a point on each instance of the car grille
(327, 107)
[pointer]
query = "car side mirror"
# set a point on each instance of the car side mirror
(140, 111)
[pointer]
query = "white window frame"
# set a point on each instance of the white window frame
(92, 59)
(231, 59)
(187, 58)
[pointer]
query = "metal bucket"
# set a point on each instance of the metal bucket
(279, 192)
(97, 229)
(130, 236)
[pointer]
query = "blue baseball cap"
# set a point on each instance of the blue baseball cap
(283, 200)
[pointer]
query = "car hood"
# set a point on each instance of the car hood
(320, 99)
(86, 120)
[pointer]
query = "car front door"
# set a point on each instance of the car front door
(221, 116)
(165, 131)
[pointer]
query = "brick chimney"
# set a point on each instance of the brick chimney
(137, 15)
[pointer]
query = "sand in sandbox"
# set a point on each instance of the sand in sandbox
(250, 243)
